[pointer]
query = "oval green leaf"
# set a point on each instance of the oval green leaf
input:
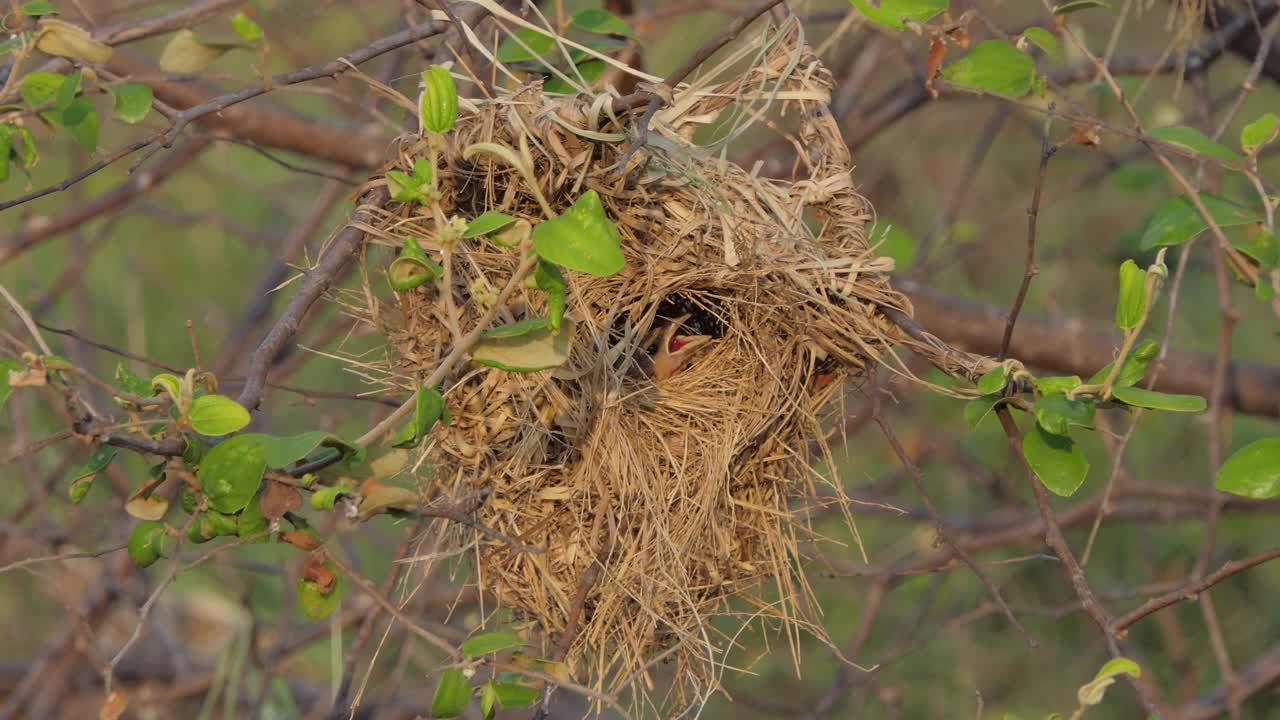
(491, 642)
(215, 415)
(315, 604)
(549, 279)
(132, 102)
(231, 472)
(1139, 397)
(993, 380)
(1056, 461)
(601, 22)
(1056, 414)
(541, 349)
(583, 238)
(1132, 302)
(1194, 143)
(1253, 471)
(146, 543)
(535, 45)
(994, 66)
(1260, 132)
(515, 695)
(524, 327)
(1044, 40)
(452, 696)
(978, 408)
(489, 222)
(896, 13)
(1177, 220)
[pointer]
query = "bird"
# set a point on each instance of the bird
(665, 351)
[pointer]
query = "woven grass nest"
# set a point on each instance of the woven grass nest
(663, 499)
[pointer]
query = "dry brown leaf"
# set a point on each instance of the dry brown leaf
(279, 499)
(113, 706)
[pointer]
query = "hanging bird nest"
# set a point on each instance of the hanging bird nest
(668, 466)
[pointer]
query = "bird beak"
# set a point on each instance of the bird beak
(674, 350)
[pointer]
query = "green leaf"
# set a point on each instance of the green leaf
(536, 350)
(325, 498)
(601, 22)
(549, 279)
(67, 91)
(1139, 397)
(524, 327)
(1177, 221)
(438, 106)
(245, 27)
(170, 384)
(80, 120)
(1118, 666)
(893, 13)
(133, 102)
(404, 187)
(1078, 5)
(583, 238)
(1135, 366)
(82, 479)
(1057, 384)
(1195, 143)
(39, 88)
(317, 605)
(994, 66)
(1044, 40)
(1056, 461)
(590, 70)
(39, 7)
(131, 383)
(993, 380)
(895, 242)
(492, 642)
(488, 700)
(281, 451)
(453, 694)
(215, 415)
(147, 543)
(428, 410)
(185, 54)
(539, 44)
(1253, 471)
(251, 521)
(1132, 303)
(231, 472)
(1262, 131)
(978, 409)
(515, 695)
(1056, 414)
(489, 222)
(1092, 692)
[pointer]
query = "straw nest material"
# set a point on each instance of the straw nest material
(661, 502)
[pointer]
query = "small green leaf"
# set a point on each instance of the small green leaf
(1044, 40)
(601, 22)
(1056, 461)
(438, 105)
(82, 479)
(1177, 220)
(532, 351)
(231, 472)
(1118, 666)
(315, 604)
(80, 120)
(1057, 384)
(168, 383)
(539, 44)
(524, 327)
(979, 408)
(1056, 414)
(895, 242)
(133, 102)
(1195, 143)
(281, 451)
(413, 267)
(1132, 303)
(1092, 692)
(40, 87)
(489, 222)
(453, 694)
(131, 383)
(429, 409)
(325, 498)
(67, 91)
(515, 695)
(995, 66)
(993, 380)
(245, 27)
(404, 187)
(492, 642)
(488, 700)
(1262, 131)
(215, 415)
(1078, 5)
(583, 238)
(39, 7)
(251, 522)
(1253, 471)
(1135, 366)
(1139, 397)
(549, 280)
(147, 543)
(895, 13)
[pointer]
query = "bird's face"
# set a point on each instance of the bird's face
(666, 351)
